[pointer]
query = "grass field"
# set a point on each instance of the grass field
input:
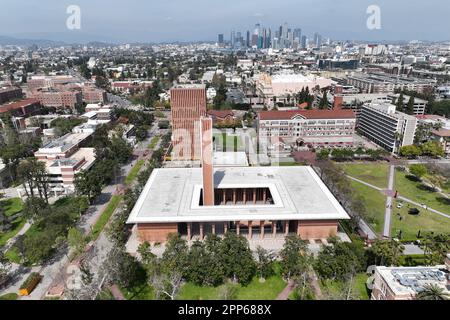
(375, 202)
(153, 142)
(256, 290)
(104, 217)
(13, 255)
(410, 225)
(373, 173)
(228, 143)
(11, 207)
(134, 172)
(335, 288)
(9, 296)
(144, 292)
(415, 191)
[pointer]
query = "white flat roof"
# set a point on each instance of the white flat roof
(172, 195)
(226, 159)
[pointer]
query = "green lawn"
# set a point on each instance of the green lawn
(134, 172)
(9, 296)
(16, 226)
(256, 290)
(104, 217)
(375, 202)
(410, 225)
(228, 143)
(373, 173)
(11, 206)
(13, 255)
(335, 288)
(415, 191)
(144, 292)
(153, 142)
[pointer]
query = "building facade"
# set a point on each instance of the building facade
(388, 128)
(405, 283)
(317, 128)
(188, 105)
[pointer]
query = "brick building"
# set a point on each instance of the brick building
(263, 202)
(188, 104)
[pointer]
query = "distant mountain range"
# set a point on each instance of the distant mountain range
(51, 39)
(29, 42)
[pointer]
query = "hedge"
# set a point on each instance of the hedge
(29, 284)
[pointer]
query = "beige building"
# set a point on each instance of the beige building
(404, 283)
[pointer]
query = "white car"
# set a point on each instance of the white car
(400, 205)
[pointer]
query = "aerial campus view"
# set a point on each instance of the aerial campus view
(197, 150)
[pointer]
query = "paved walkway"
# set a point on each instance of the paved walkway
(284, 295)
(117, 294)
(12, 240)
(389, 203)
(401, 198)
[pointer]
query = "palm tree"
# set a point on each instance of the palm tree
(433, 292)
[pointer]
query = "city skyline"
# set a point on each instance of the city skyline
(199, 20)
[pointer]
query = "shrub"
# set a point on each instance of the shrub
(29, 284)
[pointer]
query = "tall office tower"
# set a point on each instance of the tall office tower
(254, 40)
(220, 38)
(232, 39)
(269, 39)
(303, 42)
(267, 36)
(247, 42)
(264, 38)
(257, 29)
(188, 105)
(297, 33)
(290, 38)
(285, 30)
(317, 40)
(280, 32)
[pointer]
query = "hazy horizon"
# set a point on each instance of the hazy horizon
(201, 20)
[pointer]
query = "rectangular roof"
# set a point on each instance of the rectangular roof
(307, 114)
(172, 195)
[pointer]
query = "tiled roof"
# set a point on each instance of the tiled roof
(308, 114)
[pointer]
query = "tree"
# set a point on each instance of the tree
(76, 239)
(436, 247)
(34, 207)
(411, 151)
(418, 170)
(386, 252)
(141, 133)
(340, 260)
(323, 104)
(264, 262)
(122, 268)
(167, 285)
(432, 149)
(236, 258)
(410, 106)
(175, 256)
(87, 184)
(400, 102)
(221, 96)
(294, 257)
(432, 291)
(34, 176)
(5, 267)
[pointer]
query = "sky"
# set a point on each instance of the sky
(128, 21)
